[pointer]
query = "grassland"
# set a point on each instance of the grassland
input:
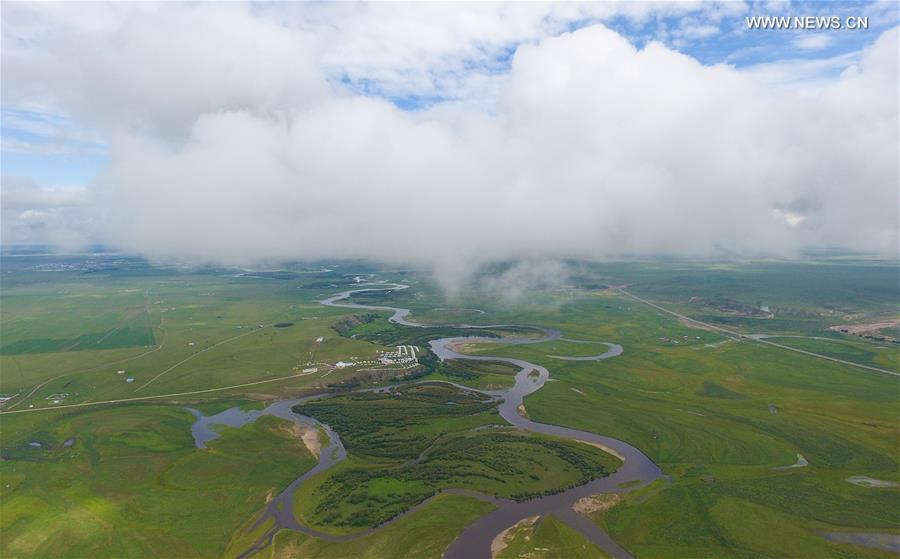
(407, 445)
(403, 423)
(857, 351)
(719, 416)
(548, 538)
(735, 522)
(204, 333)
(804, 297)
(424, 534)
(484, 375)
(128, 336)
(127, 481)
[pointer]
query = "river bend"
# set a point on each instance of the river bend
(475, 540)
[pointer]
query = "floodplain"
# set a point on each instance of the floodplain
(89, 455)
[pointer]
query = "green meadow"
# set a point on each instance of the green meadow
(424, 533)
(127, 481)
(877, 355)
(723, 418)
(548, 538)
(408, 445)
(173, 333)
(484, 375)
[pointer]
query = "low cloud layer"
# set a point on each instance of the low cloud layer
(230, 144)
(58, 216)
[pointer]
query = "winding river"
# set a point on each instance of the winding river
(475, 540)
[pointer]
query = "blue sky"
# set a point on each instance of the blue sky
(49, 148)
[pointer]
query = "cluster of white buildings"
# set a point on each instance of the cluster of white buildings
(405, 355)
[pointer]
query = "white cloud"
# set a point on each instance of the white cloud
(693, 28)
(19, 194)
(157, 71)
(813, 42)
(439, 49)
(429, 50)
(791, 218)
(32, 213)
(803, 76)
(230, 142)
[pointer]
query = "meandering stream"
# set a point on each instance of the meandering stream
(636, 470)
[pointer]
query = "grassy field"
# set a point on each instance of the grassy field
(401, 424)
(171, 333)
(737, 521)
(405, 446)
(127, 481)
(484, 375)
(548, 538)
(874, 354)
(721, 417)
(804, 297)
(423, 534)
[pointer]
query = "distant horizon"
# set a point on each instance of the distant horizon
(811, 253)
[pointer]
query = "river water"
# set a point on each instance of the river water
(474, 542)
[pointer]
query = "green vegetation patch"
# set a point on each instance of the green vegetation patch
(423, 534)
(400, 424)
(507, 463)
(130, 336)
(883, 355)
(127, 481)
(486, 375)
(131, 483)
(713, 519)
(547, 538)
(716, 391)
(375, 328)
(423, 438)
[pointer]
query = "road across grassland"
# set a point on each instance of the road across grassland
(38, 387)
(204, 350)
(158, 396)
(116, 362)
(755, 338)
